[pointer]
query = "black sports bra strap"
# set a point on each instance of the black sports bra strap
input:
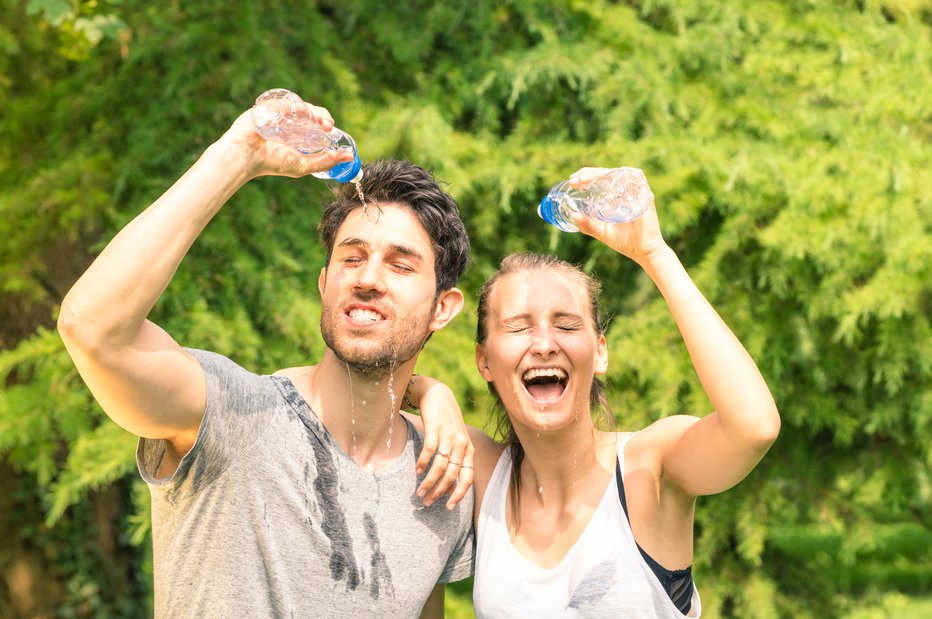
(677, 583)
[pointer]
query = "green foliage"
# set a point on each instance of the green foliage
(787, 144)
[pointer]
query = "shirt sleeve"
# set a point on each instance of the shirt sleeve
(460, 565)
(234, 417)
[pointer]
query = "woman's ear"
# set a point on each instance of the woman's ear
(482, 363)
(601, 357)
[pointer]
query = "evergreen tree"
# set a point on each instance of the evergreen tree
(788, 146)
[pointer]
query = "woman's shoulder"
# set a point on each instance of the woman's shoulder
(486, 457)
(488, 452)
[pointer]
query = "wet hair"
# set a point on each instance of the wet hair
(402, 182)
(521, 263)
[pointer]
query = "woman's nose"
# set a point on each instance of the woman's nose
(543, 343)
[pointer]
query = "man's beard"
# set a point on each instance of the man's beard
(377, 358)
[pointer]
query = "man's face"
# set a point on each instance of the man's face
(379, 290)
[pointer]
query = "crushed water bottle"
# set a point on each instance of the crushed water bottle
(281, 116)
(620, 195)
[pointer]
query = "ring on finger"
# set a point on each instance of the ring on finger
(456, 463)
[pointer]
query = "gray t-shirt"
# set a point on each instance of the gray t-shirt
(267, 516)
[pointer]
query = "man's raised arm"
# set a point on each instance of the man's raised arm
(140, 376)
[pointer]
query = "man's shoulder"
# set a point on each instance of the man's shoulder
(295, 372)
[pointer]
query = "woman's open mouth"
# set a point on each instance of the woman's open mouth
(545, 384)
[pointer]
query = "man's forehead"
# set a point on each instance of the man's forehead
(381, 224)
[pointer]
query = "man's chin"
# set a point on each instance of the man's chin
(368, 362)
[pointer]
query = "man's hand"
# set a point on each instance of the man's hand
(267, 158)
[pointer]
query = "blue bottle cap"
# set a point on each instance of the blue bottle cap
(347, 171)
(545, 210)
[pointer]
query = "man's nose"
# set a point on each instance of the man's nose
(370, 277)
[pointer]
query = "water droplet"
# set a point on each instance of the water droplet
(360, 195)
(349, 376)
(391, 394)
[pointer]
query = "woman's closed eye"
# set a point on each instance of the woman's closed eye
(569, 326)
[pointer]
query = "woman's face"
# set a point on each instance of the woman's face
(542, 350)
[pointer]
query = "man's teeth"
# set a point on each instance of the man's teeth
(544, 372)
(364, 314)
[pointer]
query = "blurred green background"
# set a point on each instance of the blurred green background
(789, 147)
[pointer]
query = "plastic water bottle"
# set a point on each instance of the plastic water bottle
(280, 115)
(620, 195)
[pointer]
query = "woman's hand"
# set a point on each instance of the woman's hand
(635, 239)
(446, 440)
(267, 158)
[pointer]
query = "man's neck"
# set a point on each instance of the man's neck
(359, 409)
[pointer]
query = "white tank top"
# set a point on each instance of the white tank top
(602, 575)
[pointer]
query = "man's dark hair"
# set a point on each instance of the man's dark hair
(402, 182)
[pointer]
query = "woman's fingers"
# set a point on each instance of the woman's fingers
(464, 478)
(438, 467)
(583, 176)
(445, 475)
(427, 452)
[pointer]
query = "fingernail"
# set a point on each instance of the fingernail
(421, 493)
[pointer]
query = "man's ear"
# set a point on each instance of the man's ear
(449, 304)
(601, 357)
(322, 281)
(482, 363)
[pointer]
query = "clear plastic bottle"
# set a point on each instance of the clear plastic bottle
(280, 115)
(618, 196)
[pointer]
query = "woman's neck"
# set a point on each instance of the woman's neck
(557, 465)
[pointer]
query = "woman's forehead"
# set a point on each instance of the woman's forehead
(539, 290)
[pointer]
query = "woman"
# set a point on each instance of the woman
(572, 519)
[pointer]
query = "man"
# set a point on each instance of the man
(295, 494)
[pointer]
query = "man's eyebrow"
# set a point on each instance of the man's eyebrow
(352, 242)
(407, 251)
(399, 249)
